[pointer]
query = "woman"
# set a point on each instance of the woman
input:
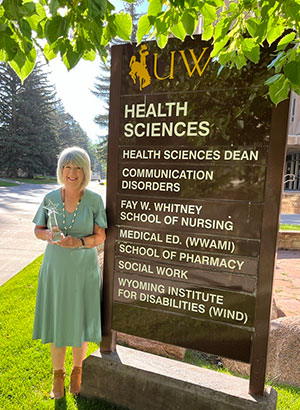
(68, 298)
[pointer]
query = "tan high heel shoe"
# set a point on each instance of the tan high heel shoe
(58, 388)
(75, 382)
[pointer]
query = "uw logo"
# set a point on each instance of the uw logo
(139, 68)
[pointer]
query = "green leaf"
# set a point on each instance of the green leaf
(161, 40)
(274, 32)
(123, 25)
(37, 18)
(96, 32)
(154, 7)
(28, 9)
(291, 9)
(251, 49)
(209, 12)
(89, 55)
(207, 32)
(220, 30)
(71, 58)
(251, 27)
(49, 52)
(40, 31)
(54, 6)
(279, 90)
(239, 60)
(261, 31)
(285, 41)
(218, 3)
(97, 8)
(11, 11)
(273, 79)
(292, 71)
(224, 57)
(25, 28)
(179, 31)
(232, 7)
(143, 28)
(55, 28)
(161, 26)
(8, 47)
(189, 22)
(219, 45)
(23, 64)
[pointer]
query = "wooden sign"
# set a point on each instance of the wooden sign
(194, 184)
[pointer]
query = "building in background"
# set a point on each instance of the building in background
(291, 195)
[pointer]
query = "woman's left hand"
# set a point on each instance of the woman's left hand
(69, 242)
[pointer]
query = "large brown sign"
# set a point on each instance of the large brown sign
(194, 184)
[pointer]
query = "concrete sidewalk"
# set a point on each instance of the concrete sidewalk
(287, 282)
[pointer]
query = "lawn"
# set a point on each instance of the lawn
(25, 365)
(36, 180)
(284, 227)
(5, 183)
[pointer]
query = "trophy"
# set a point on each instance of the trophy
(53, 225)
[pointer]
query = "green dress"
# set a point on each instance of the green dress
(68, 297)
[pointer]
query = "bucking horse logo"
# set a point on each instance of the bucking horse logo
(139, 68)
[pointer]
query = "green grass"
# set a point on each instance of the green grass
(36, 180)
(288, 396)
(25, 365)
(284, 227)
(4, 183)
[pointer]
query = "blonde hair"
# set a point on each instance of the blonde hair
(76, 156)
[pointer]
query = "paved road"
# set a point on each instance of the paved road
(18, 245)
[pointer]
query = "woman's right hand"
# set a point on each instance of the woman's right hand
(43, 233)
(49, 236)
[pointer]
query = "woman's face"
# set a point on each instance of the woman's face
(73, 175)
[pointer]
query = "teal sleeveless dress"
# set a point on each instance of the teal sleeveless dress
(68, 298)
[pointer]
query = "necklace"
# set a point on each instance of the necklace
(74, 213)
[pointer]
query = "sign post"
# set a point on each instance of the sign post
(194, 183)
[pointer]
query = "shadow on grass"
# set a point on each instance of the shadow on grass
(95, 404)
(61, 404)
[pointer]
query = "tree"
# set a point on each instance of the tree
(27, 129)
(80, 28)
(236, 29)
(70, 133)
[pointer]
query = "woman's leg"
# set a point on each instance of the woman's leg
(58, 356)
(58, 360)
(79, 354)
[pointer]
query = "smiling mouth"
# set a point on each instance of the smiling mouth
(72, 179)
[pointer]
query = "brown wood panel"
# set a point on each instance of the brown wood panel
(190, 240)
(215, 338)
(188, 258)
(187, 299)
(227, 218)
(182, 273)
(213, 181)
(215, 155)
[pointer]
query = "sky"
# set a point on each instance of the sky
(73, 88)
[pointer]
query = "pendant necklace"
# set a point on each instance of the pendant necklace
(66, 229)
